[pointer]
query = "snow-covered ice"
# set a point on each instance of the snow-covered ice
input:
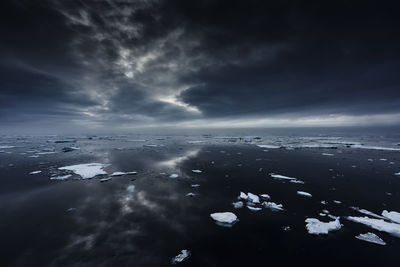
(224, 218)
(394, 216)
(195, 185)
(272, 205)
(372, 238)
(196, 171)
(62, 177)
(316, 227)
(118, 173)
(253, 198)
(278, 176)
(181, 256)
(105, 179)
(86, 171)
(243, 196)
(327, 154)
(378, 224)
(174, 175)
(367, 212)
(190, 194)
(254, 208)
(302, 193)
(35, 172)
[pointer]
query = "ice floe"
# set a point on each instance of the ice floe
(378, 224)
(253, 198)
(371, 237)
(367, 212)
(302, 193)
(86, 171)
(224, 218)
(181, 256)
(254, 208)
(272, 205)
(123, 173)
(190, 194)
(195, 185)
(196, 171)
(278, 176)
(174, 175)
(62, 177)
(118, 173)
(394, 216)
(317, 227)
(283, 177)
(105, 179)
(328, 154)
(242, 196)
(35, 172)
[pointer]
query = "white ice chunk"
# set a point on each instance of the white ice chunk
(372, 238)
(62, 177)
(337, 202)
(302, 193)
(296, 181)
(253, 198)
(105, 179)
(35, 172)
(196, 171)
(195, 185)
(86, 171)
(181, 257)
(272, 205)
(378, 224)
(278, 176)
(118, 173)
(254, 208)
(397, 173)
(316, 227)
(327, 154)
(174, 175)
(394, 216)
(243, 196)
(225, 218)
(190, 194)
(367, 212)
(238, 204)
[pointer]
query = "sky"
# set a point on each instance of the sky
(126, 64)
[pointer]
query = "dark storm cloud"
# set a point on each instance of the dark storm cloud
(123, 61)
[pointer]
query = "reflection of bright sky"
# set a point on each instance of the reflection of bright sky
(173, 162)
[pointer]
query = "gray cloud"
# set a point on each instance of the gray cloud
(159, 62)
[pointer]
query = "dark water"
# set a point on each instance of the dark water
(109, 225)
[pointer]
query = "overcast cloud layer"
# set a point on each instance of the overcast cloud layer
(147, 63)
